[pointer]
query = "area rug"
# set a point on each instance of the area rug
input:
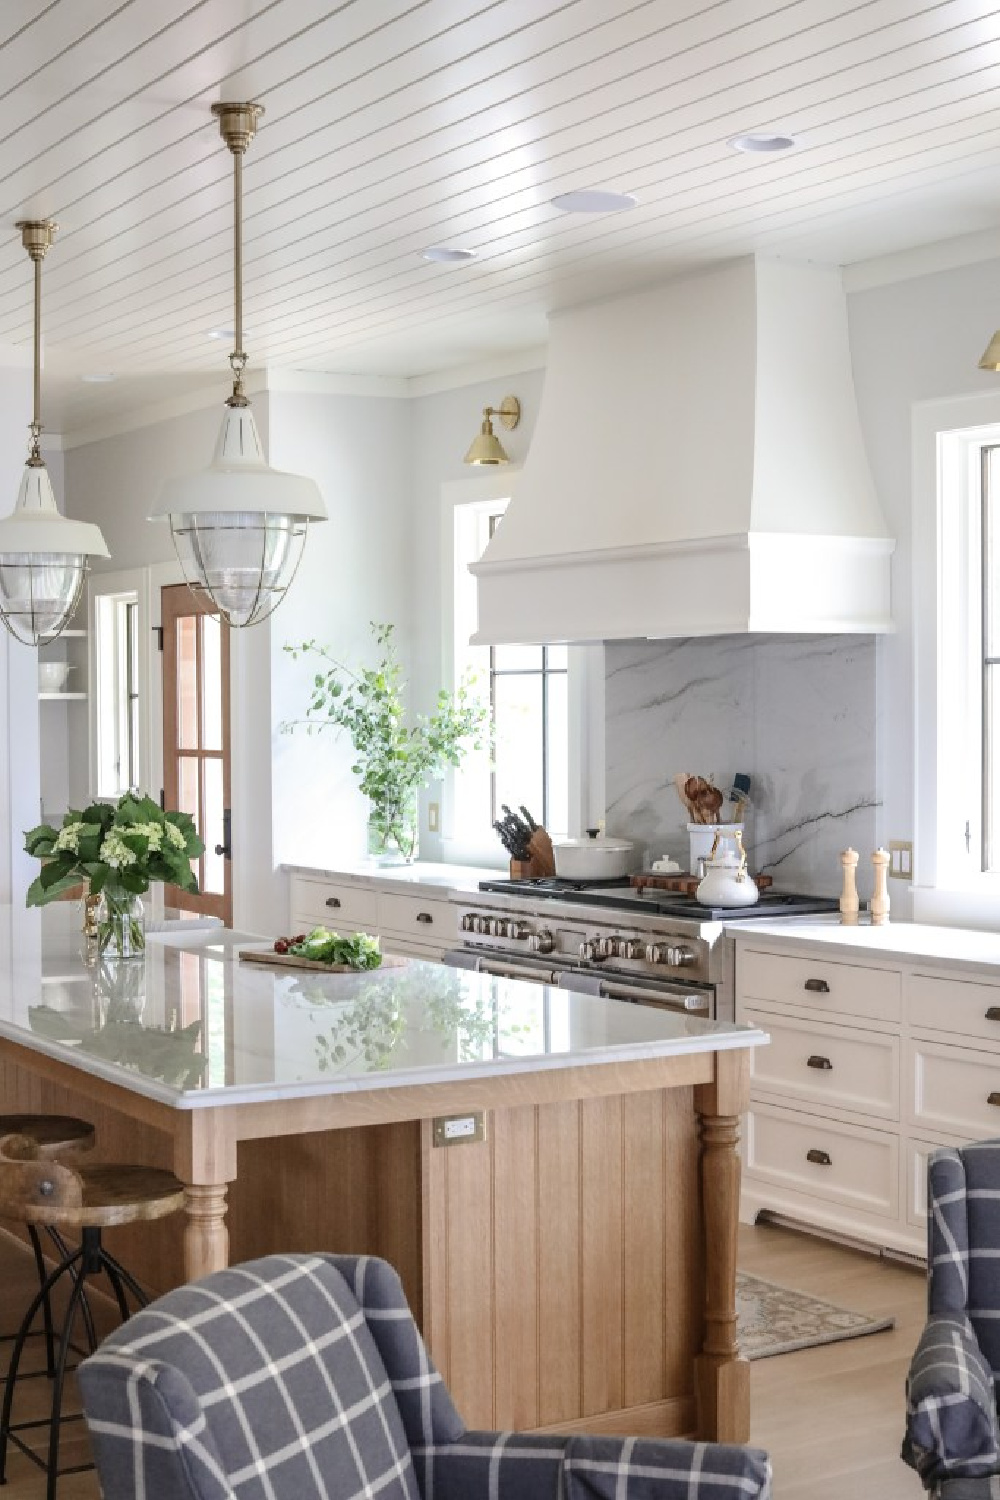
(776, 1320)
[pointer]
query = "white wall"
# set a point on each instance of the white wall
(911, 341)
(444, 425)
(357, 568)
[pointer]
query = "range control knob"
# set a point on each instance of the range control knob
(610, 947)
(482, 925)
(592, 951)
(497, 927)
(518, 931)
(633, 949)
(541, 942)
(656, 953)
(468, 922)
(681, 958)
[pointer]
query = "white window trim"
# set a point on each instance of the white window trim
(102, 585)
(585, 686)
(947, 435)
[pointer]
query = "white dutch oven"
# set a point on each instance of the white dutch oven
(593, 858)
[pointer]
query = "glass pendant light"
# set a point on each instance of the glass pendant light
(43, 555)
(239, 526)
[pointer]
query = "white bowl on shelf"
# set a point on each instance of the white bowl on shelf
(52, 676)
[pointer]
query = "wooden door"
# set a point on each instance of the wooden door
(196, 770)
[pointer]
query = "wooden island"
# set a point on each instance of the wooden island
(568, 1243)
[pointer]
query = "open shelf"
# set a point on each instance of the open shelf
(67, 635)
(61, 697)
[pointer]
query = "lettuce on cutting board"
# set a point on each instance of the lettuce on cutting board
(359, 951)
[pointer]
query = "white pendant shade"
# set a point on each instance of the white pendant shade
(43, 561)
(239, 526)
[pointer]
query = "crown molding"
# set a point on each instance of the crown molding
(922, 260)
(302, 382)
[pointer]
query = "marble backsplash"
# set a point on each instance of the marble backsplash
(797, 713)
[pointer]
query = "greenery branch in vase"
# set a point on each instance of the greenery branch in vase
(120, 849)
(391, 759)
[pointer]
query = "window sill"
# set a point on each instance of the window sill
(974, 905)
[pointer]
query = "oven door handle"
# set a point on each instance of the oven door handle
(691, 1002)
(515, 971)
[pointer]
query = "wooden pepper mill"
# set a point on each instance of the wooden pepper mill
(880, 896)
(849, 903)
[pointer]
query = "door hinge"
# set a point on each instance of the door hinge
(163, 800)
(158, 632)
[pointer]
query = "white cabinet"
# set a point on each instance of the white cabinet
(873, 1063)
(422, 925)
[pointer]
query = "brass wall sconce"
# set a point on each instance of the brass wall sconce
(486, 447)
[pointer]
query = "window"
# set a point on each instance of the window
(527, 689)
(989, 652)
(117, 657)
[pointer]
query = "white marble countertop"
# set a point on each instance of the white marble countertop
(945, 946)
(192, 1025)
(403, 878)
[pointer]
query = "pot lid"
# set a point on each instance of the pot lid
(595, 840)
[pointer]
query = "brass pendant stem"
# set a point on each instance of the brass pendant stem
(238, 252)
(36, 237)
(237, 126)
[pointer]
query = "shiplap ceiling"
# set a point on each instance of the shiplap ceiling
(391, 126)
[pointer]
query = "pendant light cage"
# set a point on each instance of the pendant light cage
(44, 556)
(239, 527)
(240, 562)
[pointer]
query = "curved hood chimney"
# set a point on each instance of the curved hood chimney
(697, 469)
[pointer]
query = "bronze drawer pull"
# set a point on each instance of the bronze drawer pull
(818, 986)
(993, 1014)
(424, 916)
(333, 900)
(993, 1098)
(823, 1063)
(821, 1158)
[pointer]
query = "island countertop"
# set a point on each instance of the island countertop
(578, 1227)
(194, 1025)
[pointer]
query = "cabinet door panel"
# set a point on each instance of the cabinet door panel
(817, 1064)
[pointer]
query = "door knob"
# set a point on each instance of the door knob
(226, 847)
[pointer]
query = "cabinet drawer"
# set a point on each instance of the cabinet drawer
(429, 921)
(828, 1159)
(331, 904)
(957, 1006)
(950, 1088)
(819, 985)
(819, 1064)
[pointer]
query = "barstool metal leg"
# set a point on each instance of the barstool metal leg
(45, 1290)
(55, 1425)
(137, 1292)
(50, 1355)
(88, 1317)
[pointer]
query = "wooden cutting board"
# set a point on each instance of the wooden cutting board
(292, 961)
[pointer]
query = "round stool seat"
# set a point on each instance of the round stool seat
(52, 1134)
(94, 1197)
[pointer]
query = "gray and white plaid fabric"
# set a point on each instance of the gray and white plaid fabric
(952, 1434)
(300, 1377)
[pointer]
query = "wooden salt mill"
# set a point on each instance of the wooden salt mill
(849, 904)
(880, 896)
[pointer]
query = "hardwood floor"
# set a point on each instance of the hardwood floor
(831, 1418)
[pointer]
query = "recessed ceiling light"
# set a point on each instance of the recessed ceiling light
(99, 377)
(593, 201)
(221, 333)
(448, 255)
(762, 143)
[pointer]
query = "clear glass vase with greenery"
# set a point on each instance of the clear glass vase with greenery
(392, 759)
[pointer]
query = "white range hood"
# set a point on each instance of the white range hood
(697, 469)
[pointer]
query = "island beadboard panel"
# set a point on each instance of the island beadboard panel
(873, 1063)
(421, 925)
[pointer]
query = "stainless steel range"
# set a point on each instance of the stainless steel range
(652, 947)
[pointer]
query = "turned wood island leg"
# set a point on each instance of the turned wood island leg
(722, 1378)
(205, 1161)
(206, 1236)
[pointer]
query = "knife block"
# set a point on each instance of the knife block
(541, 863)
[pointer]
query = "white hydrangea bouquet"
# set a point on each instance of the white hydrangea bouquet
(119, 849)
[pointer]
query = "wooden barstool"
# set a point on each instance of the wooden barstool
(43, 1192)
(55, 1136)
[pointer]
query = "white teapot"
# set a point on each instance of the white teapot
(726, 881)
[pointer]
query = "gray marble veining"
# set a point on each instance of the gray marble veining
(797, 713)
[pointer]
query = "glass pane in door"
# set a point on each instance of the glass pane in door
(214, 864)
(187, 683)
(211, 682)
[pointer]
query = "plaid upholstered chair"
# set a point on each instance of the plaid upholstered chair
(952, 1432)
(296, 1377)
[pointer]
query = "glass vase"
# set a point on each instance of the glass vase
(121, 926)
(393, 832)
